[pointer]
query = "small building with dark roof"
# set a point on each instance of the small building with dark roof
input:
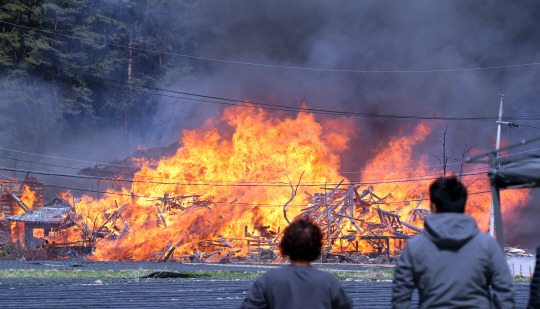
(54, 214)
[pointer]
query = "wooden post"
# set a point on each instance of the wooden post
(328, 227)
(97, 193)
(248, 241)
(28, 235)
(388, 247)
(351, 201)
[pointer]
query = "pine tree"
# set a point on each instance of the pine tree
(61, 55)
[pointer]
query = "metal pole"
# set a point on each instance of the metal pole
(497, 145)
(496, 205)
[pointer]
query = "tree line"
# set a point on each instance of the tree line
(58, 58)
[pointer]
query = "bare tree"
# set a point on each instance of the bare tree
(96, 227)
(445, 159)
(293, 194)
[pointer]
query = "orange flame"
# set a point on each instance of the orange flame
(235, 174)
(28, 197)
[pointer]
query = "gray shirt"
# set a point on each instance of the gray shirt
(452, 264)
(297, 287)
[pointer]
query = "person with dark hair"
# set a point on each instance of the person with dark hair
(534, 299)
(298, 285)
(452, 263)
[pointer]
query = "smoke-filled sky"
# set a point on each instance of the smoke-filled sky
(448, 39)
(382, 57)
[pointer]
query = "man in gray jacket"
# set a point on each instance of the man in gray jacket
(451, 263)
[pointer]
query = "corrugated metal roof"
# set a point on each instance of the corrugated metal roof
(55, 211)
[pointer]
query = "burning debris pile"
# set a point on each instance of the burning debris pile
(344, 217)
(225, 195)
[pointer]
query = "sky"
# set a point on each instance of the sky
(421, 58)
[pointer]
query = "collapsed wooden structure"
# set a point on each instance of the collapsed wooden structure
(11, 191)
(350, 221)
(354, 222)
(31, 225)
(53, 215)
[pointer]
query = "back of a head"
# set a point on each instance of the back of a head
(448, 194)
(302, 240)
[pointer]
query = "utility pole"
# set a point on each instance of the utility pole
(497, 146)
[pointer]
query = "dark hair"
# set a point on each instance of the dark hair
(302, 240)
(448, 194)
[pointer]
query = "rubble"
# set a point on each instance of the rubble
(342, 212)
(355, 225)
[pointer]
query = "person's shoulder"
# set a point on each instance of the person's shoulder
(487, 243)
(326, 275)
(277, 270)
(417, 240)
(273, 274)
(485, 239)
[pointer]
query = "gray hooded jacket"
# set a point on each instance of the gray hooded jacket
(452, 264)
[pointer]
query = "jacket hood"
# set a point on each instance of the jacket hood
(450, 229)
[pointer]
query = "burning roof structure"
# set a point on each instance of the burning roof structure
(54, 212)
(52, 215)
(14, 197)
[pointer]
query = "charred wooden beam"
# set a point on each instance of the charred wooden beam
(16, 199)
(412, 227)
(417, 205)
(161, 254)
(160, 215)
(169, 254)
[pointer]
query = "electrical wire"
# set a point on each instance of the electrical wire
(100, 164)
(233, 102)
(234, 173)
(150, 198)
(498, 67)
(229, 184)
(267, 106)
(68, 159)
(522, 125)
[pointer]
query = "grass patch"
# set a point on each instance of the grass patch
(119, 274)
(367, 275)
(223, 274)
(364, 275)
(66, 274)
(361, 275)
(522, 279)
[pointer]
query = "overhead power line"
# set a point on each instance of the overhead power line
(217, 172)
(230, 183)
(68, 159)
(232, 173)
(267, 65)
(163, 180)
(218, 203)
(245, 103)
(234, 102)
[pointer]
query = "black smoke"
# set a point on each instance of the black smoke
(420, 58)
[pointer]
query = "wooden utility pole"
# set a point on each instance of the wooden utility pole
(444, 160)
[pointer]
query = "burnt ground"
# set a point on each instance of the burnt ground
(166, 293)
